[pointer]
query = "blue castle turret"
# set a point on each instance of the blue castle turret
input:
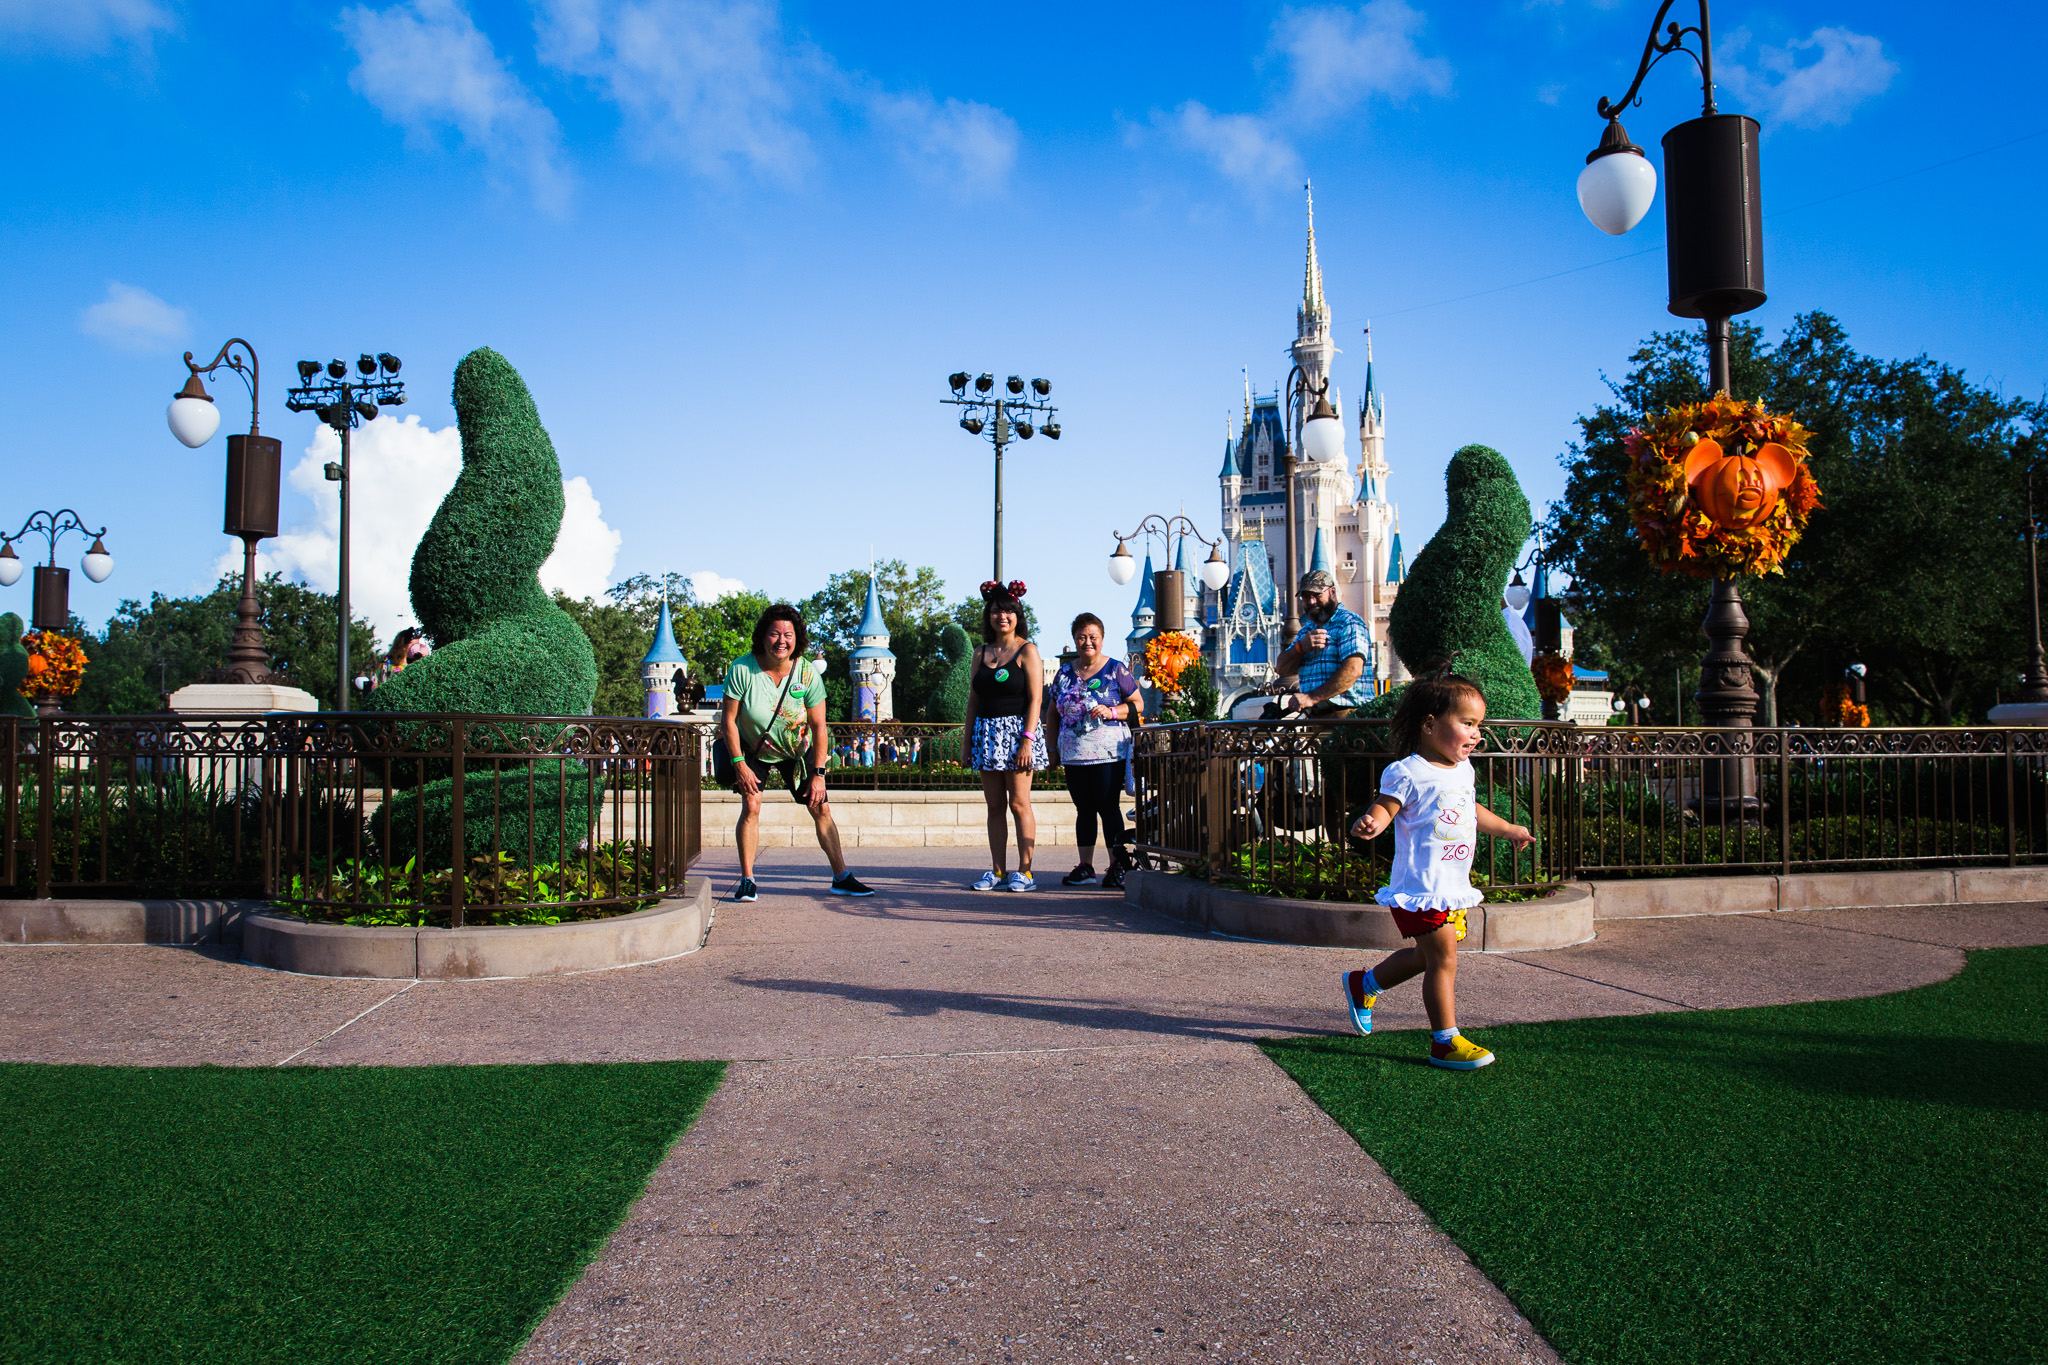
(662, 667)
(872, 663)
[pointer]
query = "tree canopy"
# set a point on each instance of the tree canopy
(1914, 563)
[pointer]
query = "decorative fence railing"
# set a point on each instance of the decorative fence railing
(1267, 805)
(366, 818)
(909, 755)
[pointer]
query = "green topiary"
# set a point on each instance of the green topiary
(949, 702)
(501, 645)
(13, 668)
(1450, 603)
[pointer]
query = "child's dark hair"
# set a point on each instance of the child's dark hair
(1429, 696)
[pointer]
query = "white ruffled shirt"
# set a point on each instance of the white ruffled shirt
(1435, 832)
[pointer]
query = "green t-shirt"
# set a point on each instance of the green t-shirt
(789, 736)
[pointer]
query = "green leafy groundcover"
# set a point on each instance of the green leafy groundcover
(1852, 1181)
(316, 1214)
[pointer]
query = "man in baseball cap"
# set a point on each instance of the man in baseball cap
(1329, 655)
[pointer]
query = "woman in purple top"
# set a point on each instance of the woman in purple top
(1095, 698)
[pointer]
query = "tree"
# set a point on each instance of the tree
(913, 609)
(1910, 561)
(1195, 699)
(710, 634)
(619, 642)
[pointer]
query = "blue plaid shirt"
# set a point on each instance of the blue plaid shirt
(1348, 636)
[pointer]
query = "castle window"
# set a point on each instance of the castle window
(1262, 482)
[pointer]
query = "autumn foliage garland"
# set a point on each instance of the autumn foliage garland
(1166, 655)
(1671, 525)
(56, 664)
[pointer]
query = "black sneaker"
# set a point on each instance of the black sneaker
(1113, 879)
(746, 890)
(1083, 875)
(850, 885)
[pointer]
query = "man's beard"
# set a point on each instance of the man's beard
(1320, 612)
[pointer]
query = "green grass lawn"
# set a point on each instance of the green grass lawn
(314, 1214)
(1861, 1180)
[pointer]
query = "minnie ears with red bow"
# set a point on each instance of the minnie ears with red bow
(1014, 588)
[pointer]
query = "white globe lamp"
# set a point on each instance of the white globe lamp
(10, 567)
(1619, 184)
(1322, 435)
(97, 562)
(1516, 595)
(1122, 568)
(1216, 569)
(192, 414)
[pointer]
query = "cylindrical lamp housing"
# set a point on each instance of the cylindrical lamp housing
(52, 609)
(253, 464)
(1714, 217)
(1167, 613)
(1549, 624)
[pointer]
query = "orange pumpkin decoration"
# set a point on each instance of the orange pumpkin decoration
(1737, 490)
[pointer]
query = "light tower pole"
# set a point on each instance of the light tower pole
(1003, 416)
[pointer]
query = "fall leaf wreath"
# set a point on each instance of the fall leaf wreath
(56, 664)
(1553, 673)
(1166, 656)
(1731, 508)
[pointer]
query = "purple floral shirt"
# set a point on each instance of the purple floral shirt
(1083, 738)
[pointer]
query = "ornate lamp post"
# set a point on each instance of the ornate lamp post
(1003, 416)
(1713, 222)
(52, 602)
(1318, 433)
(343, 403)
(253, 465)
(1167, 589)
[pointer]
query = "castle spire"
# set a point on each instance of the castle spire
(1315, 311)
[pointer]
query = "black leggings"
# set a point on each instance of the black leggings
(1098, 792)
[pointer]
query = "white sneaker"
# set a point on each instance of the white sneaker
(989, 882)
(1020, 881)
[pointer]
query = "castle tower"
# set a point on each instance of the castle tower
(661, 668)
(872, 663)
(1312, 348)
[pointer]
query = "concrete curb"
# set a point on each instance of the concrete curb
(1556, 921)
(679, 925)
(96, 921)
(1652, 897)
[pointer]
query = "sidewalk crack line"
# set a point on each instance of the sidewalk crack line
(364, 1015)
(1595, 981)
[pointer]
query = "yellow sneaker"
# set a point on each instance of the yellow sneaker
(1460, 1054)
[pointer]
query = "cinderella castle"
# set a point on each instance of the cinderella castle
(1343, 522)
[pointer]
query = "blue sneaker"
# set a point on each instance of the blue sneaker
(1020, 881)
(1358, 1002)
(989, 882)
(746, 890)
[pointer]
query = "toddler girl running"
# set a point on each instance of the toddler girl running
(1429, 796)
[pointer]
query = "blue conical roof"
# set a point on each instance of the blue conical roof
(664, 649)
(871, 619)
(1538, 590)
(1229, 460)
(1396, 570)
(1181, 562)
(1321, 558)
(1146, 602)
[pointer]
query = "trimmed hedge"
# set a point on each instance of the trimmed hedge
(1450, 603)
(13, 668)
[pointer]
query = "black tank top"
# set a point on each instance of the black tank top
(1001, 691)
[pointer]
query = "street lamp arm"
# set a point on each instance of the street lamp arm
(1656, 49)
(1167, 527)
(53, 525)
(234, 362)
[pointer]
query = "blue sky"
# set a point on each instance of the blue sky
(735, 249)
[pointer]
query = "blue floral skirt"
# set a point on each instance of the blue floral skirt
(995, 744)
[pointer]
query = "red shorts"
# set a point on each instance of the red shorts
(1414, 922)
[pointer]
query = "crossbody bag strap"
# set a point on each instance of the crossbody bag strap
(776, 714)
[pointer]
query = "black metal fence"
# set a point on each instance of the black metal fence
(912, 756)
(362, 818)
(1267, 805)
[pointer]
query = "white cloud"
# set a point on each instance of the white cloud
(91, 25)
(708, 83)
(399, 472)
(1338, 57)
(1849, 69)
(1243, 147)
(968, 146)
(424, 64)
(586, 548)
(133, 319)
(710, 586)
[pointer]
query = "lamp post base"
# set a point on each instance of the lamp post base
(1728, 701)
(2019, 713)
(217, 698)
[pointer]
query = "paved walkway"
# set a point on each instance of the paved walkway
(989, 1127)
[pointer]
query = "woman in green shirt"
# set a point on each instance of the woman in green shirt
(773, 721)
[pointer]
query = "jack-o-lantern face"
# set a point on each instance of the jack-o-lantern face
(1737, 490)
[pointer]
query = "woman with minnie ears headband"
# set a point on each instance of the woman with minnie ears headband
(1001, 739)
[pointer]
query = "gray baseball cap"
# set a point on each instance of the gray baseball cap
(1317, 580)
